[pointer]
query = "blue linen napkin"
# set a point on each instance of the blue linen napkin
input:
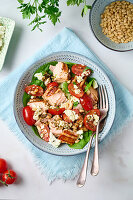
(62, 167)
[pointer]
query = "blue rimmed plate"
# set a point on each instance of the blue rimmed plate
(100, 76)
(95, 18)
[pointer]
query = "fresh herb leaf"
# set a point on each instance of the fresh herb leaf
(85, 69)
(74, 83)
(41, 10)
(75, 103)
(81, 144)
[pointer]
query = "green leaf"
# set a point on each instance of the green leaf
(88, 85)
(20, 1)
(26, 98)
(74, 2)
(34, 128)
(64, 87)
(75, 103)
(81, 144)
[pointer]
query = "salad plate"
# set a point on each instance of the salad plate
(25, 79)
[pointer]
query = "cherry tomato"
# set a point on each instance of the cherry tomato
(78, 69)
(56, 111)
(28, 115)
(44, 133)
(3, 165)
(52, 84)
(89, 124)
(72, 90)
(86, 102)
(34, 90)
(9, 176)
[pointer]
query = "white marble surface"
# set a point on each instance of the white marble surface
(115, 180)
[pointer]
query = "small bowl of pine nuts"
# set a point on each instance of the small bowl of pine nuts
(112, 23)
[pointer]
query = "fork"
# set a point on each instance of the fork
(103, 106)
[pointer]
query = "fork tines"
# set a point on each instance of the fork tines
(103, 97)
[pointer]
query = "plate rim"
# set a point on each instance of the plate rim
(90, 17)
(38, 61)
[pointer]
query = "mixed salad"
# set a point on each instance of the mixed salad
(61, 102)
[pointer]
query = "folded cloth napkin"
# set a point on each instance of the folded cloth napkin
(62, 167)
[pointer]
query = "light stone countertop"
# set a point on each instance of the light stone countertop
(115, 180)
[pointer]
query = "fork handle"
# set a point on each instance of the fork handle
(95, 162)
(82, 177)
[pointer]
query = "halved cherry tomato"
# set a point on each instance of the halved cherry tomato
(86, 102)
(34, 90)
(56, 111)
(3, 165)
(44, 133)
(52, 84)
(72, 90)
(78, 69)
(89, 124)
(9, 177)
(28, 115)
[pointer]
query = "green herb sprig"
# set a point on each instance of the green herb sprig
(40, 10)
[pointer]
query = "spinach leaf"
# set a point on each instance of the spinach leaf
(88, 85)
(34, 128)
(75, 103)
(81, 144)
(64, 87)
(26, 98)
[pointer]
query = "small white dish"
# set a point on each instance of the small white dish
(9, 25)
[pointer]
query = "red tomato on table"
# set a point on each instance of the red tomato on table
(9, 177)
(56, 111)
(86, 102)
(3, 165)
(89, 124)
(34, 90)
(73, 92)
(28, 115)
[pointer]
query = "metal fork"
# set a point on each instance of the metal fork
(103, 106)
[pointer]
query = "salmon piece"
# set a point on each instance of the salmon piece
(38, 104)
(55, 130)
(68, 137)
(60, 72)
(54, 96)
(93, 95)
(43, 130)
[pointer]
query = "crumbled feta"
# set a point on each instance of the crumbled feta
(61, 123)
(80, 133)
(47, 81)
(53, 141)
(71, 114)
(79, 79)
(94, 118)
(77, 90)
(37, 113)
(39, 76)
(67, 105)
(85, 73)
(2, 33)
(32, 97)
(74, 99)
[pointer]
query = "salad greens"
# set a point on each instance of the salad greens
(89, 83)
(75, 103)
(64, 86)
(81, 144)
